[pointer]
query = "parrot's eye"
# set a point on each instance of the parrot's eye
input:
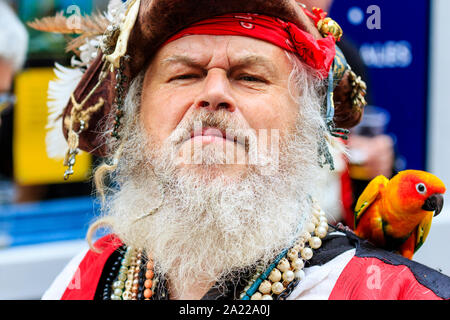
(420, 187)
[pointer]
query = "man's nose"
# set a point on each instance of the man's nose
(216, 92)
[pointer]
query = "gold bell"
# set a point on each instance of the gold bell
(329, 26)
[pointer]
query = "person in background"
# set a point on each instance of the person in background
(14, 40)
(13, 51)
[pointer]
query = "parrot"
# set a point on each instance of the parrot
(396, 214)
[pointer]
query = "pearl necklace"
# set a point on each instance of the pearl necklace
(266, 284)
(287, 269)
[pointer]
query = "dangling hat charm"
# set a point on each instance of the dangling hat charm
(326, 25)
(329, 26)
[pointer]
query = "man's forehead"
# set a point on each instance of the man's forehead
(238, 50)
(193, 60)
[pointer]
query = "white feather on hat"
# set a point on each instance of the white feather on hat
(67, 78)
(59, 92)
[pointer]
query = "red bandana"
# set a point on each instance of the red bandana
(318, 54)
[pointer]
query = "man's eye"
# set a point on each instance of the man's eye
(185, 77)
(250, 78)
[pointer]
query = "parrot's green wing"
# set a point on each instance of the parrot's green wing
(422, 231)
(369, 195)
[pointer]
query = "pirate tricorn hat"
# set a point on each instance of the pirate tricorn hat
(115, 46)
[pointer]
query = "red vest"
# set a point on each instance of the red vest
(372, 274)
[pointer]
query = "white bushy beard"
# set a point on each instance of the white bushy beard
(207, 230)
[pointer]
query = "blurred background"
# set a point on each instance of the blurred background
(399, 49)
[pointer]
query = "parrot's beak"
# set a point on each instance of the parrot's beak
(434, 203)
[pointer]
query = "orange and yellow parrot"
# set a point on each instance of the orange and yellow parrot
(396, 214)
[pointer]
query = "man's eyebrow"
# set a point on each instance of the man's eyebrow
(255, 60)
(181, 59)
(241, 62)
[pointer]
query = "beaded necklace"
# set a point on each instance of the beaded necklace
(136, 279)
(287, 269)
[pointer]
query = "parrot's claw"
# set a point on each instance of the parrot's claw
(341, 227)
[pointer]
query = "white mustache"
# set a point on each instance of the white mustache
(233, 130)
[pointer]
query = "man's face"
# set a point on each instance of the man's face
(245, 80)
(224, 221)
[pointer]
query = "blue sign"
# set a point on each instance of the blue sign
(46, 221)
(392, 38)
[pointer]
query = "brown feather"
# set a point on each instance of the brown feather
(95, 24)
(87, 27)
(57, 24)
(91, 25)
(74, 44)
(77, 42)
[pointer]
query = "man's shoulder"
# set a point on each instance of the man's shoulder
(108, 243)
(374, 273)
(80, 279)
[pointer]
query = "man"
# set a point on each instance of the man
(215, 122)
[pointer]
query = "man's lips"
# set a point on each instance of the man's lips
(212, 133)
(209, 132)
